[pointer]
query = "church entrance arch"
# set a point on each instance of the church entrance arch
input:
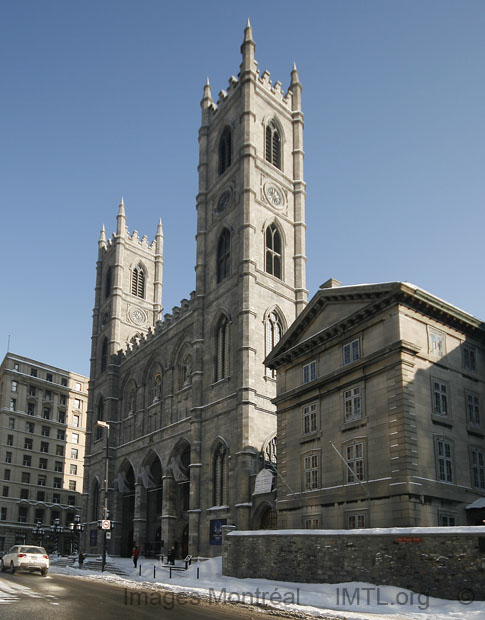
(265, 517)
(126, 488)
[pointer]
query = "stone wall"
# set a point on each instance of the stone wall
(444, 562)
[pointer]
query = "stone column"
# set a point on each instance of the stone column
(139, 519)
(169, 511)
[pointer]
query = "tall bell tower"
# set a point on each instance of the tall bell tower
(250, 266)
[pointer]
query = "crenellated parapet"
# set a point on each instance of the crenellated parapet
(169, 320)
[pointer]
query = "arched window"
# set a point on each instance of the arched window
(273, 251)
(104, 355)
(219, 476)
(274, 331)
(225, 150)
(108, 283)
(222, 349)
(223, 255)
(273, 145)
(100, 418)
(138, 282)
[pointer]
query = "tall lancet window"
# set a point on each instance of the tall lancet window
(225, 150)
(273, 145)
(273, 251)
(219, 479)
(138, 282)
(223, 255)
(274, 331)
(222, 349)
(104, 355)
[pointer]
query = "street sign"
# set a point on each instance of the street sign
(108, 535)
(106, 524)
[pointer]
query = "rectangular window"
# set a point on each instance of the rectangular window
(42, 463)
(76, 421)
(440, 398)
(14, 386)
(478, 468)
(5, 492)
(353, 404)
(11, 424)
(46, 431)
(48, 395)
(6, 474)
(310, 471)
(62, 417)
(354, 456)
(46, 414)
(61, 435)
(33, 372)
(13, 404)
(57, 483)
(71, 500)
(78, 386)
(73, 470)
(31, 390)
(446, 519)
(29, 427)
(41, 496)
(309, 419)
(59, 450)
(436, 342)
(473, 408)
(355, 521)
(27, 443)
(48, 377)
(74, 453)
(24, 493)
(72, 485)
(62, 399)
(42, 480)
(77, 403)
(444, 460)
(8, 457)
(58, 466)
(351, 351)
(31, 408)
(27, 460)
(23, 514)
(64, 381)
(16, 366)
(9, 440)
(56, 498)
(39, 513)
(75, 437)
(469, 357)
(309, 372)
(3, 513)
(312, 523)
(25, 477)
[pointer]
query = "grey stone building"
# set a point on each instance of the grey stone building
(380, 411)
(43, 412)
(188, 398)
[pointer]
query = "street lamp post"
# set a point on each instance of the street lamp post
(56, 529)
(39, 532)
(105, 508)
(76, 528)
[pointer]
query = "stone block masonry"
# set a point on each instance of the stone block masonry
(443, 562)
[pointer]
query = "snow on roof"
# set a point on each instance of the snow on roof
(478, 503)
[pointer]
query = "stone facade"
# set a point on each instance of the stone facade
(447, 563)
(43, 414)
(187, 398)
(380, 411)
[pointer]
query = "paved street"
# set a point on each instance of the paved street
(25, 595)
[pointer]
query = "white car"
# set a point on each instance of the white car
(26, 557)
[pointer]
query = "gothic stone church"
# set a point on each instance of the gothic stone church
(187, 398)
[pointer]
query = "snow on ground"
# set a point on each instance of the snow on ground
(350, 601)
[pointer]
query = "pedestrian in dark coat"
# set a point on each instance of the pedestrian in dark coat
(136, 553)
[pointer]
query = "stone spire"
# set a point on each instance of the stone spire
(295, 87)
(248, 48)
(121, 218)
(102, 239)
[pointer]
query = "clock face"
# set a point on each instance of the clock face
(274, 196)
(137, 316)
(223, 201)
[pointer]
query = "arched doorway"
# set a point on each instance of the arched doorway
(265, 518)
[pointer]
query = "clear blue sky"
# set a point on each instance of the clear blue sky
(100, 99)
